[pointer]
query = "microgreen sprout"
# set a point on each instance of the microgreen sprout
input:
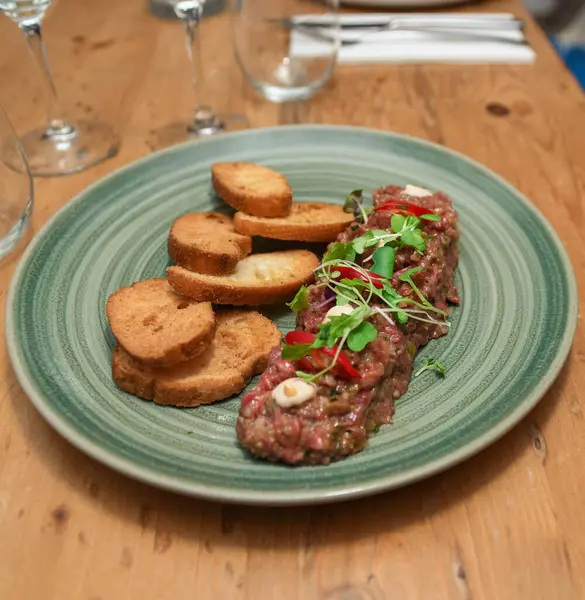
(354, 203)
(312, 377)
(300, 301)
(424, 303)
(384, 261)
(431, 217)
(403, 307)
(432, 364)
(370, 293)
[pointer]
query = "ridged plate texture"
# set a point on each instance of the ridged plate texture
(507, 343)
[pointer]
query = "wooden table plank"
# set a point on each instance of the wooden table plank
(507, 524)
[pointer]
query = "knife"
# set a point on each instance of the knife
(468, 22)
(464, 27)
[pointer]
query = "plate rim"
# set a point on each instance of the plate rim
(297, 497)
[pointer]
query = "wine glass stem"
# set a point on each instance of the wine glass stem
(190, 12)
(56, 124)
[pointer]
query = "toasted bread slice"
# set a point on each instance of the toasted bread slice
(240, 349)
(258, 279)
(307, 222)
(157, 326)
(253, 189)
(207, 243)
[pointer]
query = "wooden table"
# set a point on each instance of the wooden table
(507, 524)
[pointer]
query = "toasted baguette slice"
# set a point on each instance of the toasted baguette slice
(240, 349)
(157, 326)
(253, 189)
(207, 243)
(258, 279)
(307, 222)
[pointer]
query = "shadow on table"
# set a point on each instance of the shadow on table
(171, 516)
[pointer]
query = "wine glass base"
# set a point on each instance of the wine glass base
(177, 133)
(51, 154)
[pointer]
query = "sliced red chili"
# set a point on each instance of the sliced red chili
(322, 359)
(306, 364)
(299, 337)
(351, 273)
(404, 207)
(343, 367)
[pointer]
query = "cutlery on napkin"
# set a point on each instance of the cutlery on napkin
(414, 37)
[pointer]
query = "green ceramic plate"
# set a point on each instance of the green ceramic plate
(508, 341)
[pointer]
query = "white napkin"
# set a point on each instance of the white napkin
(416, 46)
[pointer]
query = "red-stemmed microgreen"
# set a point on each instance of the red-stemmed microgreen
(354, 203)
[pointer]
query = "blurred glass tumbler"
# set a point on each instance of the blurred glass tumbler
(166, 10)
(16, 189)
(281, 59)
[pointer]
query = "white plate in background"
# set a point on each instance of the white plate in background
(403, 3)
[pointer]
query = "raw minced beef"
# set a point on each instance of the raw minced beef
(336, 422)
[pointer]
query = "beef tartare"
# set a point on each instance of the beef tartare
(381, 292)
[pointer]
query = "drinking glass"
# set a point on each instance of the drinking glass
(61, 146)
(205, 121)
(287, 48)
(164, 8)
(16, 190)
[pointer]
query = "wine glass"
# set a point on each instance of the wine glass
(16, 190)
(62, 146)
(205, 121)
(287, 49)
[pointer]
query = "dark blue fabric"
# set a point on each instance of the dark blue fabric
(574, 57)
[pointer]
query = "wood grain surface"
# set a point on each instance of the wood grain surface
(507, 524)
